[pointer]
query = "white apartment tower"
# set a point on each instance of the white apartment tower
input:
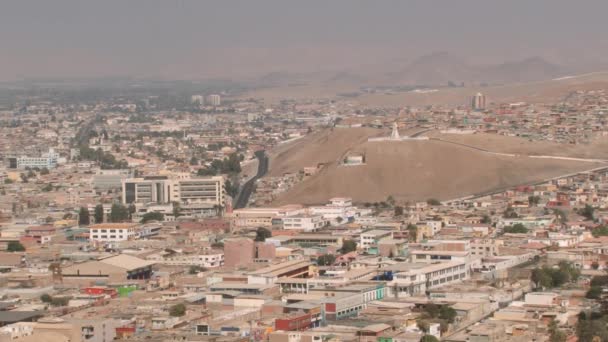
(478, 102)
(214, 100)
(197, 100)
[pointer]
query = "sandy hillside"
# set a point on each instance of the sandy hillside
(409, 170)
(325, 146)
(597, 149)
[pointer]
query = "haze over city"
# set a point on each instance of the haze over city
(234, 39)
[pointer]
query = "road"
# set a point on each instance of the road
(419, 133)
(247, 188)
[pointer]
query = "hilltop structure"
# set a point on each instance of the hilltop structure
(396, 137)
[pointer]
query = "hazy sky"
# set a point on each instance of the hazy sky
(204, 38)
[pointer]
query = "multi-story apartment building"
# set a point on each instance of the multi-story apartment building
(109, 179)
(214, 100)
(486, 247)
(208, 260)
(113, 232)
(412, 279)
(165, 189)
(47, 160)
(371, 238)
(307, 223)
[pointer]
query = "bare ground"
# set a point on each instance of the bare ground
(411, 170)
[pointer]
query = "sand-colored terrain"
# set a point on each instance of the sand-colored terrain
(534, 92)
(326, 146)
(596, 149)
(408, 170)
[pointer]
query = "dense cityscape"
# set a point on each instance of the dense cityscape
(220, 172)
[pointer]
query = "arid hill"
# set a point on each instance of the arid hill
(408, 170)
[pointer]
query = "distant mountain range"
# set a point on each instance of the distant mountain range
(435, 69)
(442, 67)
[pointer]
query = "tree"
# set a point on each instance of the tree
(83, 217)
(510, 213)
(326, 260)
(44, 171)
(600, 231)
(517, 228)
(587, 212)
(573, 272)
(177, 310)
(231, 189)
(15, 246)
(206, 172)
(60, 301)
(152, 216)
(47, 188)
(433, 202)
(98, 213)
(339, 219)
(541, 279)
(591, 326)
(46, 298)
(398, 211)
(447, 313)
(176, 210)
(412, 232)
(217, 244)
(8, 181)
(561, 215)
(195, 269)
(556, 335)
(348, 246)
(132, 209)
(599, 281)
(548, 277)
(595, 292)
(533, 200)
(118, 213)
(262, 234)
(429, 338)
(486, 219)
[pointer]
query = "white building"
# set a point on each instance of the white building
(165, 189)
(197, 100)
(113, 232)
(307, 223)
(263, 217)
(47, 160)
(339, 207)
(544, 299)
(179, 258)
(413, 279)
(478, 102)
(214, 100)
(370, 238)
(109, 179)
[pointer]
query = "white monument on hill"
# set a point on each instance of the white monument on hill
(396, 137)
(395, 132)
